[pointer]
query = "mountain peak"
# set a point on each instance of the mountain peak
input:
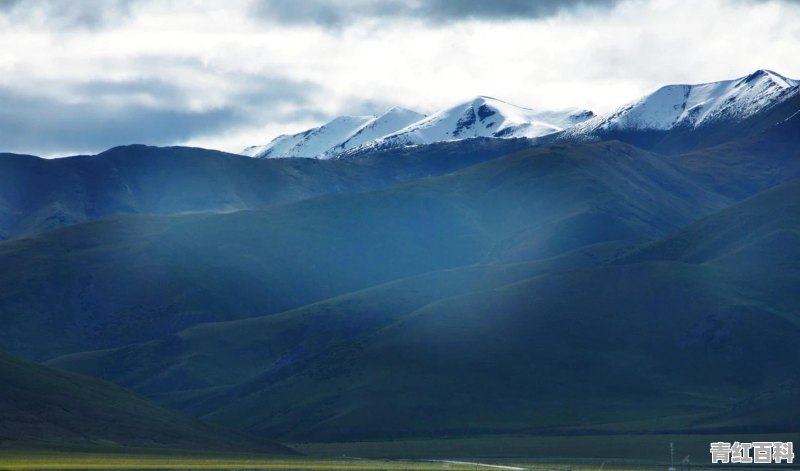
(679, 106)
(488, 100)
(398, 110)
(480, 116)
(312, 142)
(693, 106)
(762, 72)
(394, 119)
(485, 98)
(766, 74)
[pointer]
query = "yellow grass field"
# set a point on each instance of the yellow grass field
(91, 461)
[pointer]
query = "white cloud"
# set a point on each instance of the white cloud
(216, 58)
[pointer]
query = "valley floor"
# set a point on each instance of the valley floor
(522, 452)
(29, 461)
(36, 460)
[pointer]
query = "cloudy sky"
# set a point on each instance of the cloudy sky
(80, 76)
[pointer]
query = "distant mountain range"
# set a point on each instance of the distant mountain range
(341, 134)
(38, 194)
(487, 270)
(677, 118)
(480, 117)
(695, 106)
(672, 108)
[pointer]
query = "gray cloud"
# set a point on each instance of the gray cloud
(92, 14)
(69, 14)
(444, 10)
(338, 13)
(154, 88)
(33, 124)
(113, 113)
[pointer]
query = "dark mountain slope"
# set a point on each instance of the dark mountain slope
(38, 194)
(641, 348)
(696, 332)
(763, 122)
(130, 279)
(773, 215)
(756, 162)
(675, 336)
(199, 369)
(558, 198)
(41, 406)
(759, 238)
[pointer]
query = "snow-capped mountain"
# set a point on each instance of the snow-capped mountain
(479, 117)
(689, 107)
(482, 117)
(339, 135)
(388, 123)
(313, 142)
(674, 117)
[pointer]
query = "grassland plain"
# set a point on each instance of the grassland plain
(194, 460)
(64, 460)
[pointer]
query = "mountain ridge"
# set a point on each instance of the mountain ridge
(481, 116)
(336, 136)
(263, 261)
(678, 118)
(676, 109)
(599, 339)
(38, 194)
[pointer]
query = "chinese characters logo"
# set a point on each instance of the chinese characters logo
(755, 452)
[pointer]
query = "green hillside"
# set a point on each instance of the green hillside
(131, 279)
(521, 295)
(42, 407)
(636, 345)
(593, 341)
(199, 368)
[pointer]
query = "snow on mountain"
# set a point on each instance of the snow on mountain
(311, 143)
(672, 107)
(694, 106)
(481, 117)
(335, 137)
(393, 120)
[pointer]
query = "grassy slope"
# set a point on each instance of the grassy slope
(655, 341)
(131, 279)
(199, 368)
(733, 232)
(41, 406)
(751, 164)
(618, 349)
(650, 344)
